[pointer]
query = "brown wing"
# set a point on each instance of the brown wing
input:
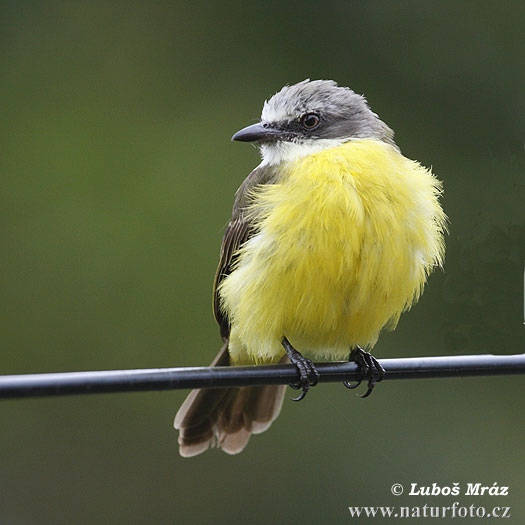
(239, 230)
(237, 233)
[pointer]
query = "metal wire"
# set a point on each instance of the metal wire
(58, 384)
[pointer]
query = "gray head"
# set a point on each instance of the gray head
(310, 116)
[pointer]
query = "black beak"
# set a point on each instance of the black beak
(257, 132)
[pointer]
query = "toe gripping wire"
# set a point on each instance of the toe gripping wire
(370, 368)
(308, 374)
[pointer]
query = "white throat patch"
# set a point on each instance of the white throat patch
(277, 152)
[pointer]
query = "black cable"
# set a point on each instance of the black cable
(57, 384)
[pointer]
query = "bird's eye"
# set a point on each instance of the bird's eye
(310, 121)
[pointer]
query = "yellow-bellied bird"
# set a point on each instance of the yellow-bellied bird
(331, 238)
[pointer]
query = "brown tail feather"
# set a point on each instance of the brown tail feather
(226, 417)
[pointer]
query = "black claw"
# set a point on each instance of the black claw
(302, 396)
(308, 374)
(370, 368)
(350, 385)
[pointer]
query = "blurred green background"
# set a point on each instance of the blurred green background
(117, 177)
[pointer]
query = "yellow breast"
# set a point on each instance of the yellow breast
(344, 243)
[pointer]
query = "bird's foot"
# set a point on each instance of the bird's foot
(370, 368)
(308, 374)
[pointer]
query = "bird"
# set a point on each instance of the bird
(331, 238)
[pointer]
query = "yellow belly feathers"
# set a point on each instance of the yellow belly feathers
(344, 242)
